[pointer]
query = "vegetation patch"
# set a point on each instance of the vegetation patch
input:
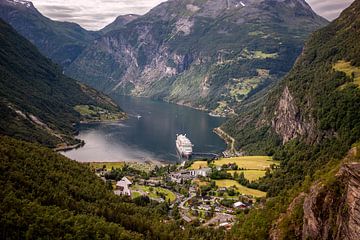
(198, 165)
(251, 175)
(238, 187)
(248, 162)
(155, 192)
(350, 71)
(93, 113)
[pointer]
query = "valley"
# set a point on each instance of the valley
(266, 93)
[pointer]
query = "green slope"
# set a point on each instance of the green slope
(47, 196)
(309, 121)
(314, 110)
(36, 100)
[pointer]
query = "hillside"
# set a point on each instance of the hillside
(310, 122)
(47, 196)
(36, 100)
(206, 54)
(60, 41)
(317, 100)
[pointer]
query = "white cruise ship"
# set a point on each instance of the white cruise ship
(184, 146)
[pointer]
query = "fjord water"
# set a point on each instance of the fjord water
(150, 137)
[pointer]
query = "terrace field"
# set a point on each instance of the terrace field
(248, 162)
(198, 164)
(251, 175)
(152, 192)
(241, 189)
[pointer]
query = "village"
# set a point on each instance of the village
(202, 192)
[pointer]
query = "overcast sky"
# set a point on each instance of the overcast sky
(95, 14)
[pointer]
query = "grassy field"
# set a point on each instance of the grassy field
(109, 165)
(152, 194)
(241, 189)
(248, 162)
(93, 113)
(345, 67)
(200, 183)
(198, 164)
(251, 175)
(145, 167)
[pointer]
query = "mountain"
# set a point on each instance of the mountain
(309, 122)
(37, 102)
(317, 100)
(119, 22)
(208, 54)
(60, 41)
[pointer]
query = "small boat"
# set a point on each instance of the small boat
(138, 116)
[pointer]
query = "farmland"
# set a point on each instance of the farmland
(251, 175)
(248, 162)
(241, 189)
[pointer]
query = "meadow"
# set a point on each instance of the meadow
(241, 189)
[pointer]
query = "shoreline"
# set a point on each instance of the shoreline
(230, 142)
(66, 147)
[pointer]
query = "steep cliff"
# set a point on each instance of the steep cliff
(330, 209)
(205, 54)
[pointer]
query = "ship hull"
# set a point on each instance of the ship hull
(183, 154)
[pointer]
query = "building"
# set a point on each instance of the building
(200, 172)
(123, 187)
(240, 205)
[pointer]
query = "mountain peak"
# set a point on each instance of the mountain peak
(18, 3)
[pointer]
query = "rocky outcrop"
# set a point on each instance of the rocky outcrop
(330, 210)
(333, 212)
(288, 122)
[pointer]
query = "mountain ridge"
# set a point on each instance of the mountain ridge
(60, 41)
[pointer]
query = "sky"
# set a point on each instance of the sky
(96, 14)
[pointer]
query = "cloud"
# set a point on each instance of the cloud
(96, 14)
(92, 14)
(329, 9)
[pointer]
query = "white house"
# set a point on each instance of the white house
(200, 172)
(122, 187)
(239, 205)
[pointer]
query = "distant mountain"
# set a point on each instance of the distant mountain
(36, 100)
(208, 54)
(60, 41)
(119, 22)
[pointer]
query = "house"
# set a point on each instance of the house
(200, 172)
(240, 205)
(122, 187)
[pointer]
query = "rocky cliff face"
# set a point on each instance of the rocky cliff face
(329, 210)
(334, 213)
(288, 122)
(207, 54)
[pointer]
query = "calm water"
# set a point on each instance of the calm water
(151, 137)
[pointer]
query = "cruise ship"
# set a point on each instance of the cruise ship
(184, 146)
